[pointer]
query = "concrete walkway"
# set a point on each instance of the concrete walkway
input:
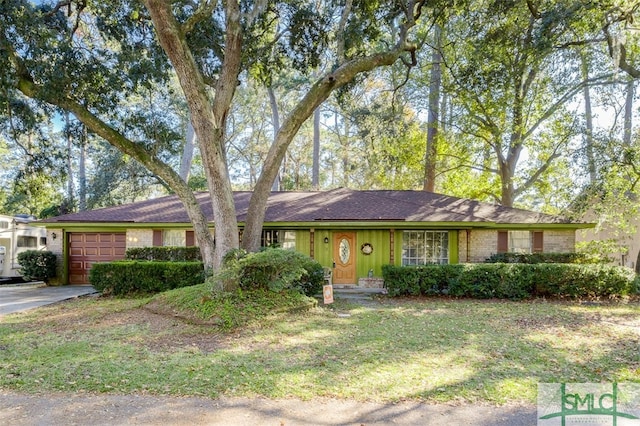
(16, 298)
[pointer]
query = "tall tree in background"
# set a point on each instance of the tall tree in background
(35, 164)
(628, 112)
(515, 86)
(589, 131)
(433, 118)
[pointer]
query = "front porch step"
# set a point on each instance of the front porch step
(357, 290)
(356, 293)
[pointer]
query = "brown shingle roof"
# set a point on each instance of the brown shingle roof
(335, 205)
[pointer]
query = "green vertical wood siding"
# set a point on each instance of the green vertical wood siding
(303, 237)
(379, 240)
(454, 252)
(323, 250)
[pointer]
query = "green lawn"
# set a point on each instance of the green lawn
(389, 350)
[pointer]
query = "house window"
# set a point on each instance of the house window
(278, 238)
(520, 241)
(288, 240)
(174, 238)
(4, 224)
(26, 241)
(43, 241)
(269, 238)
(425, 247)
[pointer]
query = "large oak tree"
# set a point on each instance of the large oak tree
(88, 57)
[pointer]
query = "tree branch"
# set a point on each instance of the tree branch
(204, 11)
(617, 49)
(340, 36)
(565, 98)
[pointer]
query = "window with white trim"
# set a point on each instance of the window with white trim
(425, 247)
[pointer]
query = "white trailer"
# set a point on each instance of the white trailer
(18, 235)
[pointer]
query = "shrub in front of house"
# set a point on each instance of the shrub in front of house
(512, 281)
(130, 277)
(584, 281)
(531, 258)
(501, 280)
(164, 254)
(37, 265)
(278, 269)
(428, 280)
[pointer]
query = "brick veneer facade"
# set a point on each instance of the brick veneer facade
(477, 245)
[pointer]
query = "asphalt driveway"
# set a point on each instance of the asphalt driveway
(16, 298)
(84, 409)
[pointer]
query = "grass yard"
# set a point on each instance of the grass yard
(387, 350)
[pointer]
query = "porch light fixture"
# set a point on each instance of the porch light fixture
(326, 240)
(54, 235)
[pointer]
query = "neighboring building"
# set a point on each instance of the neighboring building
(353, 232)
(620, 246)
(18, 235)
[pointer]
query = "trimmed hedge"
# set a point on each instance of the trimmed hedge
(532, 258)
(511, 280)
(164, 254)
(128, 276)
(274, 269)
(37, 265)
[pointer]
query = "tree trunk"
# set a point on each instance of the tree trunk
(507, 189)
(628, 112)
(435, 82)
(275, 117)
(447, 112)
(315, 173)
(345, 154)
(82, 170)
(187, 152)
(209, 121)
(70, 186)
(591, 161)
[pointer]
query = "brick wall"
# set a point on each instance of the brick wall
(484, 243)
(462, 247)
(559, 241)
